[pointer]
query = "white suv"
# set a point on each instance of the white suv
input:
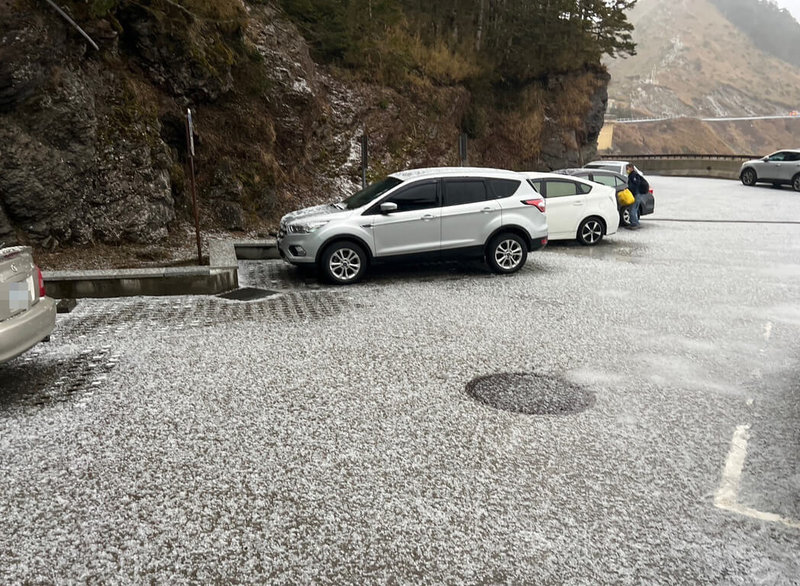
(432, 214)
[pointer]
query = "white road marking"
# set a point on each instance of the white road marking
(727, 495)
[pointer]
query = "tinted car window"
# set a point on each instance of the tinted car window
(605, 179)
(366, 195)
(781, 156)
(536, 184)
(500, 188)
(461, 191)
(416, 197)
(556, 188)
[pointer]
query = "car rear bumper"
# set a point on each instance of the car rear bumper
(537, 243)
(24, 331)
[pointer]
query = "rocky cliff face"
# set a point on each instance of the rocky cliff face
(94, 141)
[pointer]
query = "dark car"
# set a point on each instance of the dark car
(618, 182)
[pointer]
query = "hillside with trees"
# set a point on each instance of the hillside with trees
(95, 144)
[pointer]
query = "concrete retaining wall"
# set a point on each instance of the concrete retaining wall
(718, 168)
(133, 282)
(220, 276)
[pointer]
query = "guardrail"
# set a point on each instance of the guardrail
(687, 165)
(679, 156)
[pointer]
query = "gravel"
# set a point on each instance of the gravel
(326, 435)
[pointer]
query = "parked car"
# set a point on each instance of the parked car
(618, 182)
(432, 213)
(577, 208)
(779, 168)
(27, 316)
(616, 166)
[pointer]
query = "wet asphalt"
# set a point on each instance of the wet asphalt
(335, 435)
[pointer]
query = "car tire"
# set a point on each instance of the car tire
(748, 177)
(506, 253)
(796, 182)
(590, 232)
(625, 216)
(343, 263)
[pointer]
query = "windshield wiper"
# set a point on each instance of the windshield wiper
(338, 206)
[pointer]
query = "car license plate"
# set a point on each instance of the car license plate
(19, 296)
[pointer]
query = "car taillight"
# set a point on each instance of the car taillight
(41, 282)
(538, 202)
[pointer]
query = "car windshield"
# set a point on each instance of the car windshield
(369, 193)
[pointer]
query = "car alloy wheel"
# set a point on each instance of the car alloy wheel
(625, 217)
(344, 263)
(507, 253)
(590, 232)
(796, 182)
(748, 177)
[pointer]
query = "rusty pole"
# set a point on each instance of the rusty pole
(190, 151)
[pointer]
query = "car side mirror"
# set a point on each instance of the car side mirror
(765, 158)
(388, 207)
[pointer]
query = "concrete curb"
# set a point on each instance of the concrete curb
(220, 276)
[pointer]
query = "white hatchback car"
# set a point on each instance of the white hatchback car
(577, 208)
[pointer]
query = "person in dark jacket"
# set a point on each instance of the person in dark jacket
(636, 185)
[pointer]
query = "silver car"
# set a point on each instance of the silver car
(779, 168)
(27, 316)
(421, 214)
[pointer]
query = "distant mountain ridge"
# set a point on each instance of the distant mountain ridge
(754, 17)
(693, 61)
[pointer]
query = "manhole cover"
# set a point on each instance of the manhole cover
(247, 294)
(531, 394)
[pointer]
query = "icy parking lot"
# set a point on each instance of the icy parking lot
(339, 435)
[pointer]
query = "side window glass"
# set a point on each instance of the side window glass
(620, 182)
(500, 188)
(417, 197)
(537, 185)
(793, 157)
(606, 180)
(777, 157)
(461, 191)
(556, 188)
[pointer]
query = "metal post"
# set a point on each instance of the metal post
(462, 149)
(364, 159)
(66, 17)
(190, 151)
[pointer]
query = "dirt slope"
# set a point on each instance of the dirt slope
(691, 61)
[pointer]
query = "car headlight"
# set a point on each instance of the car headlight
(306, 227)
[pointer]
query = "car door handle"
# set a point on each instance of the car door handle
(427, 217)
(487, 210)
(578, 203)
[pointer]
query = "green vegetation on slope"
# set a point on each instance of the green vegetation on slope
(511, 42)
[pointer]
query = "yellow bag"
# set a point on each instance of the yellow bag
(625, 197)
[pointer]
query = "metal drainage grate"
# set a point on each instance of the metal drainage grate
(247, 294)
(531, 394)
